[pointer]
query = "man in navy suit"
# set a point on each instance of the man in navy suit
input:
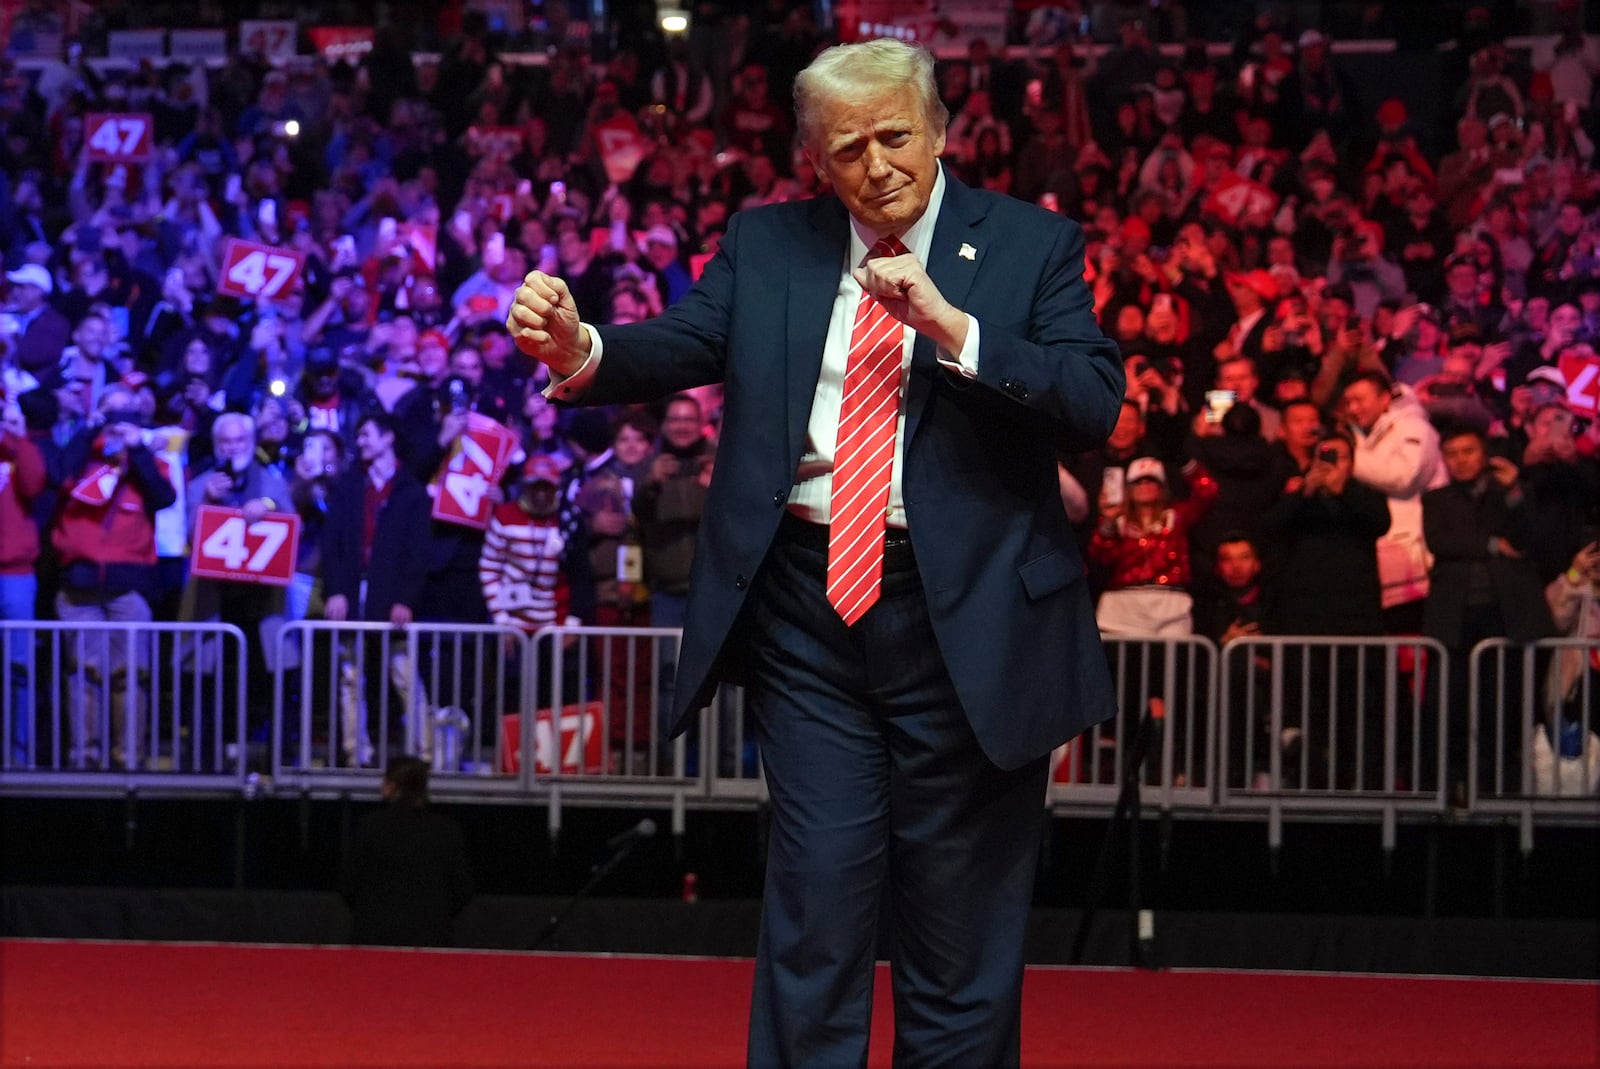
(905, 708)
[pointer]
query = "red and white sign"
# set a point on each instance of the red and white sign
(1237, 197)
(571, 744)
(97, 487)
(621, 147)
(263, 272)
(268, 38)
(342, 42)
(229, 549)
(1583, 382)
(476, 462)
(423, 241)
(501, 142)
(118, 137)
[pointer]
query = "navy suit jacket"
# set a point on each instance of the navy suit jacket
(1001, 569)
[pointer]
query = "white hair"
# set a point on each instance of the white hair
(873, 66)
(242, 424)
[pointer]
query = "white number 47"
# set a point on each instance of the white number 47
(228, 544)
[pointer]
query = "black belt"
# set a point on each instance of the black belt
(814, 536)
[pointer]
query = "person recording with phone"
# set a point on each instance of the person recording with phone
(104, 536)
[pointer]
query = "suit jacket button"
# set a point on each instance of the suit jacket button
(778, 498)
(740, 582)
(1022, 392)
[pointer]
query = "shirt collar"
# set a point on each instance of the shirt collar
(918, 237)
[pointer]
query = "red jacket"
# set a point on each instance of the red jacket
(21, 480)
(111, 547)
(1158, 556)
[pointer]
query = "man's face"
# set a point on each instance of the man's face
(1565, 320)
(1302, 426)
(681, 427)
(231, 441)
(540, 498)
(880, 155)
(1464, 458)
(1363, 403)
(92, 336)
(373, 443)
(1237, 564)
(1462, 280)
(432, 359)
(468, 366)
(1129, 429)
(26, 296)
(1240, 377)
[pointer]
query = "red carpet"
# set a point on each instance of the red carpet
(117, 1005)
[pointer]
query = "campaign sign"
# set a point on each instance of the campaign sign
(97, 487)
(476, 462)
(118, 137)
(1583, 382)
(268, 38)
(262, 272)
(570, 743)
(229, 549)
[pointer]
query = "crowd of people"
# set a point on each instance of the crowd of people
(1356, 364)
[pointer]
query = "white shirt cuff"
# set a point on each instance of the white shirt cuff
(571, 387)
(964, 363)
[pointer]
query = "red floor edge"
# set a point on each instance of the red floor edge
(174, 1006)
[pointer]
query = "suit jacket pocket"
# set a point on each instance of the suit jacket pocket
(1045, 575)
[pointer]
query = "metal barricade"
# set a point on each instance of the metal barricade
(1333, 725)
(351, 696)
(1535, 731)
(1173, 679)
(97, 707)
(601, 704)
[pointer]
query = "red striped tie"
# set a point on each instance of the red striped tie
(863, 458)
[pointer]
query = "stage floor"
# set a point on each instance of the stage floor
(174, 1006)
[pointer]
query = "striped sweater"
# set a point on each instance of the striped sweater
(525, 583)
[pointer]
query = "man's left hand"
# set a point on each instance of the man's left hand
(902, 286)
(1504, 472)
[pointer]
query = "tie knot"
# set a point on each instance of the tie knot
(889, 246)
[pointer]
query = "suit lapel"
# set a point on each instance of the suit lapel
(813, 283)
(953, 261)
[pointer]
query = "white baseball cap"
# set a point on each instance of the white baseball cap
(1147, 468)
(32, 275)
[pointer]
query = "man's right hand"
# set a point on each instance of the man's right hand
(337, 608)
(544, 324)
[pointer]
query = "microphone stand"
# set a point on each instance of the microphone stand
(1127, 809)
(596, 875)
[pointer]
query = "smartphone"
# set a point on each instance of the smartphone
(558, 190)
(344, 248)
(494, 250)
(524, 188)
(386, 230)
(1218, 402)
(630, 564)
(1328, 454)
(267, 212)
(461, 223)
(1113, 484)
(231, 189)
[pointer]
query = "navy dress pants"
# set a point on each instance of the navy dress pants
(881, 800)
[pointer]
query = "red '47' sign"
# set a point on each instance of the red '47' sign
(1583, 382)
(228, 548)
(477, 461)
(263, 272)
(118, 138)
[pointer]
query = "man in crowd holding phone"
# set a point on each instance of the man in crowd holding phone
(104, 536)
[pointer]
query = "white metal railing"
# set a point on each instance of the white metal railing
(1535, 731)
(1173, 680)
(1311, 725)
(95, 706)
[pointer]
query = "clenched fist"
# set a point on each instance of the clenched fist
(544, 324)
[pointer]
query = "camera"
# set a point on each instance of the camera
(1328, 454)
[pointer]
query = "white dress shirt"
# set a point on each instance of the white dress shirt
(811, 498)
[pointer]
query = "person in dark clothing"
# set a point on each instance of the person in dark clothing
(1325, 530)
(1248, 473)
(406, 877)
(1478, 528)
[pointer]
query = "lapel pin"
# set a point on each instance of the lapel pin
(967, 252)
